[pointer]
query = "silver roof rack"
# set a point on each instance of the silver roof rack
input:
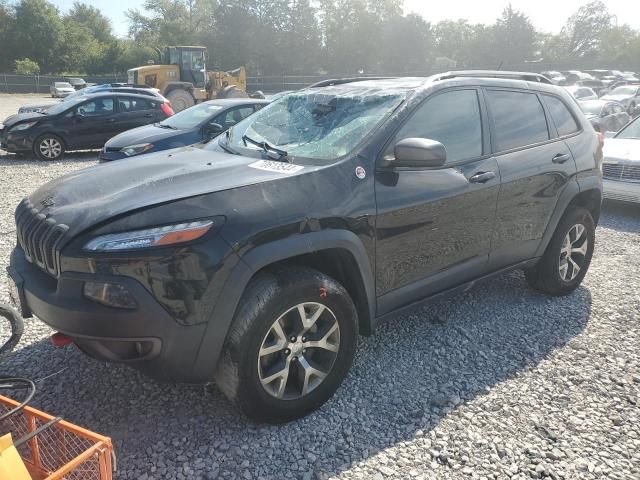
(527, 76)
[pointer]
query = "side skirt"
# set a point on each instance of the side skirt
(454, 290)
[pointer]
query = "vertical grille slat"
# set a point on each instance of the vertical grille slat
(39, 236)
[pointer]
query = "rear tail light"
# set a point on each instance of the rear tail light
(166, 109)
(600, 138)
(600, 150)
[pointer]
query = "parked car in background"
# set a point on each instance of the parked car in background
(83, 123)
(605, 115)
(258, 260)
(606, 76)
(196, 124)
(595, 85)
(627, 95)
(556, 77)
(573, 76)
(61, 89)
(581, 93)
(630, 76)
(77, 83)
(106, 87)
(621, 164)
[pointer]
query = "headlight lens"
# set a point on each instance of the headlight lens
(22, 126)
(132, 150)
(150, 237)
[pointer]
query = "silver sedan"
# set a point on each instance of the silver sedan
(621, 166)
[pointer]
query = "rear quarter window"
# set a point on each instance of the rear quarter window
(561, 115)
(518, 119)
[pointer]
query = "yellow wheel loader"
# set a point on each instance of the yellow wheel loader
(181, 76)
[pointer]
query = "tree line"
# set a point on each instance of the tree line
(306, 37)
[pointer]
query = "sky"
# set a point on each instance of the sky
(546, 15)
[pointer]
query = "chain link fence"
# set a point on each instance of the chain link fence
(11, 83)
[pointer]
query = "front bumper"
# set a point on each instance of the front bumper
(14, 142)
(110, 156)
(621, 191)
(148, 338)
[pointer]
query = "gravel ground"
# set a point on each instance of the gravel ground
(501, 382)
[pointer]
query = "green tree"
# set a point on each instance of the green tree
(514, 37)
(7, 19)
(582, 33)
(26, 66)
(39, 33)
(90, 17)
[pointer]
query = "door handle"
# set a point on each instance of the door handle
(482, 177)
(148, 115)
(111, 120)
(561, 158)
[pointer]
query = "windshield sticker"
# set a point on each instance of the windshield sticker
(277, 167)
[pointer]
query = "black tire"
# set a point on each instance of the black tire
(49, 147)
(10, 318)
(266, 298)
(546, 275)
(180, 100)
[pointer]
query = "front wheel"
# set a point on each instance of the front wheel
(48, 147)
(180, 100)
(568, 256)
(291, 343)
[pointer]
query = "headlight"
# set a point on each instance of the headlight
(150, 237)
(132, 150)
(22, 126)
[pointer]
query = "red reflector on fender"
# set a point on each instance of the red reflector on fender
(60, 340)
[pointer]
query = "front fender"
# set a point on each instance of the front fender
(261, 257)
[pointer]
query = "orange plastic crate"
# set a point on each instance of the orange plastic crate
(62, 451)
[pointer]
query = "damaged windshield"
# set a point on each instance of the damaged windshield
(323, 125)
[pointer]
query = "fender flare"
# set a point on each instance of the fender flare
(263, 256)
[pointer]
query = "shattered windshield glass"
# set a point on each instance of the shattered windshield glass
(321, 125)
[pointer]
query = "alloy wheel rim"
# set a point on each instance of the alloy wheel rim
(573, 252)
(50, 148)
(299, 351)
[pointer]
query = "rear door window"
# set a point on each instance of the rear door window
(131, 104)
(561, 116)
(518, 119)
(451, 118)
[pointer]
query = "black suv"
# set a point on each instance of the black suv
(257, 260)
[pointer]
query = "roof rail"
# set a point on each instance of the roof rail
(528, 76)
(342, 81)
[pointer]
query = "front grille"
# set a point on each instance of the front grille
(621, 172)
(39, 236)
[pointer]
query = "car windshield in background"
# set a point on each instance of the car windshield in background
(63, 85)
(62, 106)
(320, 126)
(624, 91)
(631, 131)
(191, 117)
(592, 108)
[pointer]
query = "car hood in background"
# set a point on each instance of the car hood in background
(87, 197)
(147, 134)
(621, 149)
(21, 117)
(617, 98)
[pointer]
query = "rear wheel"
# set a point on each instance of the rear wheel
(48, 147)
(290, 345)
(232, 92)
(180, 100)
(568, 256)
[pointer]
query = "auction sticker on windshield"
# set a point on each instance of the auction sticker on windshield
(277, 167)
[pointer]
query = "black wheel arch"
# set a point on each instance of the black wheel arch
(337, 253)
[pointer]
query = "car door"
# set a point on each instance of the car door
(134, 112)
(536, 164)
(434, 225)
(93, 123)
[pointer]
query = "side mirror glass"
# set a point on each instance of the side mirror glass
(419, 153)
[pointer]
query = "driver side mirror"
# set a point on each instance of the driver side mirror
(419, 153)
(213, 129)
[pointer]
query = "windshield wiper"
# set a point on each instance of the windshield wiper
(268, 148)
(165, 126)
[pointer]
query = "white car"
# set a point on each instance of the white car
(61, 89)
(627, 95)
(621, 165)
(582, 93)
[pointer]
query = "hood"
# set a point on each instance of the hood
(145, 134)
(617, 98)
(93, 195)
(35, 108)
(21, 117)
(621, 149)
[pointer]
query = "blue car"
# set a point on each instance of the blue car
(196, 124)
